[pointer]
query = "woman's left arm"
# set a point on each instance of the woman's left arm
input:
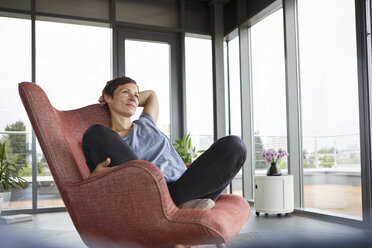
(149, 101)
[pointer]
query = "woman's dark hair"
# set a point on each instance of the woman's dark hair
(116, 82)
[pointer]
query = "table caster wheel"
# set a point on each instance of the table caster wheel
(257, 213)
(279, 215)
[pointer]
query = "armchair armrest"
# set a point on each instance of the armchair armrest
(224, 219)
(135, 192)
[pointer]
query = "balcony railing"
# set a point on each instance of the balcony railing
(337, 152)
(326, 160)
(319, 152)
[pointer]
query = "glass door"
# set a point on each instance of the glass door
(150, 60)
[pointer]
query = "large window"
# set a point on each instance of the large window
(15, 129)
(72, 66)
(329, 98)
(199, 90)
(268, 82)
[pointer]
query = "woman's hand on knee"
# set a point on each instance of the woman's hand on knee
(101, 168)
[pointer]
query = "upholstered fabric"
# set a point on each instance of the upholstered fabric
(130, 204)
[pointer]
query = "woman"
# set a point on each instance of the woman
(196, 187)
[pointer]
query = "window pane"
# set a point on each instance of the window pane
(226, 86)
(199, 91)
(330, 113)
(72, 66)
(269, 96)
(15, 129)
(234, 90)
(148, 63)
(234, 93)
(72, 62)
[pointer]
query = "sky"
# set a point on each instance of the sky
(328, 70)
(15, 67)
(72, 69)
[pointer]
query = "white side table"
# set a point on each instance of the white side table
(273, 194)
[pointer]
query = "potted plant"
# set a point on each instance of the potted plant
(273, 157)
(185, 149)
(9, 175)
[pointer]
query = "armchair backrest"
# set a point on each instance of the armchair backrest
(60, 132)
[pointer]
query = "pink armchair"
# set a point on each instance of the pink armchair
(130, 204)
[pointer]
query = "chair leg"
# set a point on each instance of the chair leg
(221, 245)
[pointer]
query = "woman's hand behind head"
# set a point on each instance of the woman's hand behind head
(102, 101)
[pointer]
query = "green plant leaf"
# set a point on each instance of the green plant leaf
(2, 152)
(9, 172)
(185, 149)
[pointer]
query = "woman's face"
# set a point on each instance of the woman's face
(125, 100)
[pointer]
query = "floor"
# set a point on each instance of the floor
(57, 230)
(343, 199)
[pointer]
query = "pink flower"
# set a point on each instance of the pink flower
(282, 153)
(273, 156)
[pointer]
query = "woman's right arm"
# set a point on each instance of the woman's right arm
(101, 168)
(149, 101)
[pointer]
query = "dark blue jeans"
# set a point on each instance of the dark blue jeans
(206, 177)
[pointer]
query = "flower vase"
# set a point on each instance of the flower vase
(274, 170)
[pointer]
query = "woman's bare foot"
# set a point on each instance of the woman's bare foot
(198, 204)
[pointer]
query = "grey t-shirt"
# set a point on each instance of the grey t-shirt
(150, 144)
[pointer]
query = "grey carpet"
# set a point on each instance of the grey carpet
(240, 240)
